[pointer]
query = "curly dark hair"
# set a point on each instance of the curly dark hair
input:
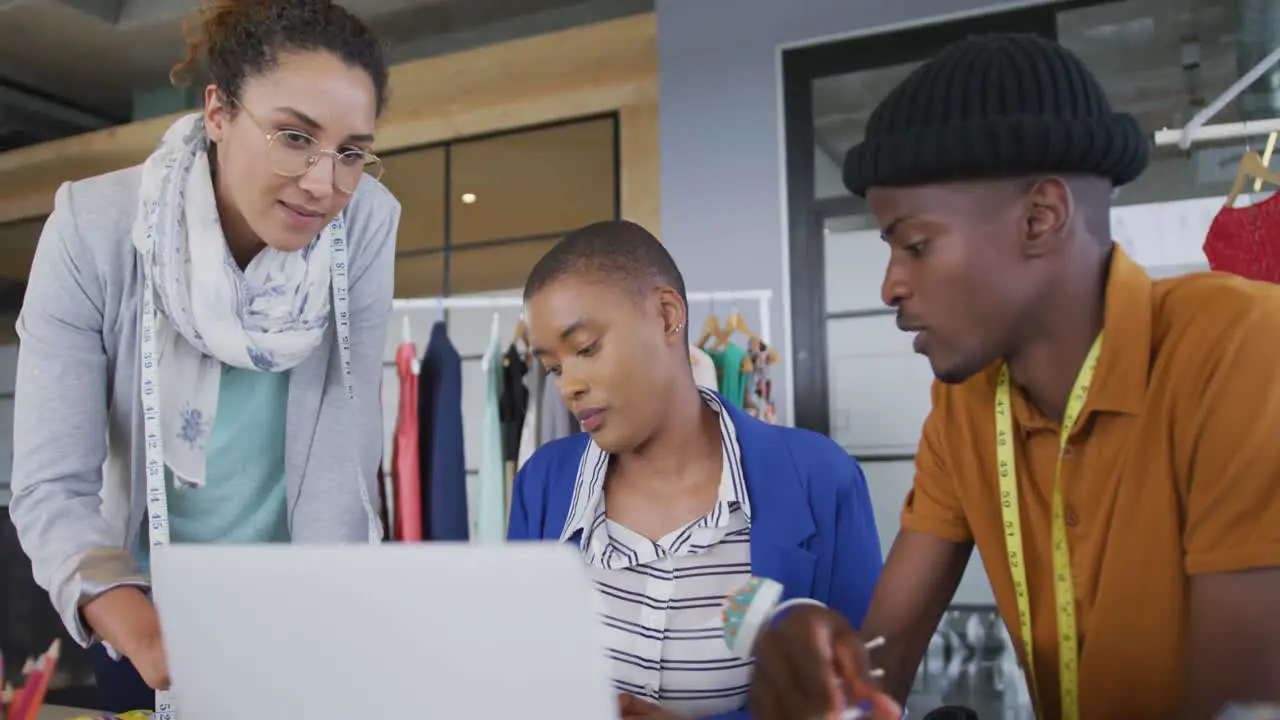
(240, 39)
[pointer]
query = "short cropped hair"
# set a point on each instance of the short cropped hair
(615, 251)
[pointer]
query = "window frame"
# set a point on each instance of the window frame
(448, 248)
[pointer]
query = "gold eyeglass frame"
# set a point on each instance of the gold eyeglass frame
(315, 153)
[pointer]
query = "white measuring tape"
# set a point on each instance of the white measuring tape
(157, 494)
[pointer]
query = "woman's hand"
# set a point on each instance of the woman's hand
(812, 665)
(125, 618)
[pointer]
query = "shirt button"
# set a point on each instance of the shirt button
(1071, 517)
(651, 691)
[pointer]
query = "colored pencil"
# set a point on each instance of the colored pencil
(39, 684)
(17, 706)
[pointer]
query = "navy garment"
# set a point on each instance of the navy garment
(120, 687)
(812, 525)
(440, 450)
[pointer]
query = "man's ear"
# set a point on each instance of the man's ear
(1049, 208)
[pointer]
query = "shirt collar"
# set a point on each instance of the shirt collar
(1120, 380)
(1125, 360)
(586, 509)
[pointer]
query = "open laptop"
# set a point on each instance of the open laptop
(391, 631)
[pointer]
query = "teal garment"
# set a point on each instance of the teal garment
(733, 381)
(243, 500)
(491, 484)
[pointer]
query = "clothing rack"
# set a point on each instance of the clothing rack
(498, 302)
(1197, 130)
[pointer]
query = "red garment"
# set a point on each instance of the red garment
(1245, 241)
(404, 453)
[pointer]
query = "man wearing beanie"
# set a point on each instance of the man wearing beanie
(1135, 560)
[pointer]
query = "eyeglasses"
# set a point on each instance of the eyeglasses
(293, 153)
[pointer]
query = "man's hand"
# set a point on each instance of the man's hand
(631, 707)
(125, 617)
(811, 664)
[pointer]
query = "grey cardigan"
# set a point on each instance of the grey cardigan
(78, 482)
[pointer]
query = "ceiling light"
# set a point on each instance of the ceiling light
(468, 198)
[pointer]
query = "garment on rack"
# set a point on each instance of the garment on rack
(1246, 240)
(442, 465)
(491, 486)
(534, 381)
(557, 422)
(704, 369)
(547, 418)
(406, 469)
(731, 372)
(513, 401)
(384, 505)
(513, 405)
(759, 401)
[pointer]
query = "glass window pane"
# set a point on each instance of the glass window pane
(416, 178)
(18, 242)
(532, 182)
(841, 106)
(420, 276)
(1136, 48)
(490, 268)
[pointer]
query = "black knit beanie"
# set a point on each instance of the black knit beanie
(996, 106)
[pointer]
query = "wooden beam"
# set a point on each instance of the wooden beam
(609, 66)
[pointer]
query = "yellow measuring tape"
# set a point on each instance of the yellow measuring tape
(1064, 590)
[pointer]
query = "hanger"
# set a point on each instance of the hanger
(521, 333)
(406, 335)
(1266, 159)
(736, 323)
(710, 329)
(520, 341)
(1252, 166)
(771, 355)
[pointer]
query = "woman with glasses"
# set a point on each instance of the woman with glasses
(206, 331)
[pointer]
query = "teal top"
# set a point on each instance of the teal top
(491, 483)
(243, 499)
(733, 382)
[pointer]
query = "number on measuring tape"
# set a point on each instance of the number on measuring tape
(165, 709)
(1064, 592)
(338, 269)
(157, 497)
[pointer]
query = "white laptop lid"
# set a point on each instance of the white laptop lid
(393, 631)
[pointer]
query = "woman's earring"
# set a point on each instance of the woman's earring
(679, 327)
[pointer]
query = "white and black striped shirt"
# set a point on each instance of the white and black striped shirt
(662, 599)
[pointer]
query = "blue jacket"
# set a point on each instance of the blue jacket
(441, 462)
(812, 527)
